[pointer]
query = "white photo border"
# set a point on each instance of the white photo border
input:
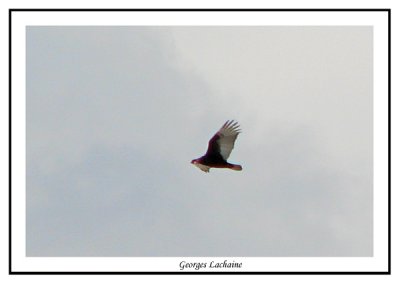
(19, 19)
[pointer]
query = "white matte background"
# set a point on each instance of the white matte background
(280, 5)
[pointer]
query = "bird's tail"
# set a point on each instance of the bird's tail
(236, 167)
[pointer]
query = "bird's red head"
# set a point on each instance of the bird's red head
(194, 161)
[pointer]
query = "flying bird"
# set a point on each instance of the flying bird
(219, 148)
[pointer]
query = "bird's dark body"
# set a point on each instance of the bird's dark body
(214, 161)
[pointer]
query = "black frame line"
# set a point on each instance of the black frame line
(201, 10)
(11, 272)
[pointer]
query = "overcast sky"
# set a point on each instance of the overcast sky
(116, 114)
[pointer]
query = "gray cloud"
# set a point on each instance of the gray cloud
(115, 114)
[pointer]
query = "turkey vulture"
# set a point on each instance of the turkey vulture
(219, 148)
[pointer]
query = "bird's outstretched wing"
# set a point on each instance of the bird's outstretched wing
(223, 141)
